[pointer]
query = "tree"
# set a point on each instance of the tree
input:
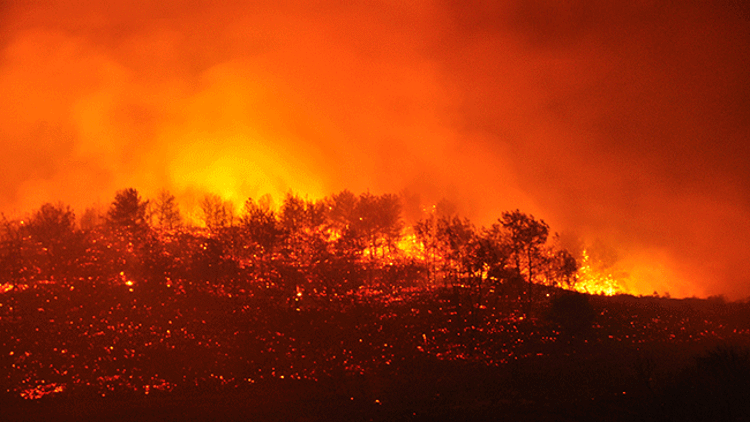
(340, 210)
(259, 223)
(378, 220)
(446, 240)
(216, 212)
(13, 268)
(91, 218)
(388, 219)
(456, 235)
(304, 239)
(561, 268)
(457, 247)
(425, 232)
(128, 212)
(526, 236)
(166, 210)
(493, 251)
(51, 223)
(52, 228)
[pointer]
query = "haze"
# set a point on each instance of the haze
(626, 125)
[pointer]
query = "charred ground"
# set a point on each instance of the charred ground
(403, 355)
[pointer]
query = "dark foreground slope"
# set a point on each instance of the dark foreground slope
(408, 356)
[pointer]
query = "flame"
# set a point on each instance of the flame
(410, 246)
(592, 281)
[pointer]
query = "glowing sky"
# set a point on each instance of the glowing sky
(627, 124)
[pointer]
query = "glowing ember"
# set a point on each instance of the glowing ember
(42, 390)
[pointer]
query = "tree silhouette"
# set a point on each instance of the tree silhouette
(260, 226)
(377, 219)
(216, 212)
(526, 236)
(128, 212)
(52, 228)
(457, 240)
(12, 267)
(51, 222)
(561, 268)
(425, 231)
(456, 235)
(446, 240)
(167, 211)
(303, 239)
(388, 219)
(340, 209)
(342, 224)
(91, 218)
(494, 251)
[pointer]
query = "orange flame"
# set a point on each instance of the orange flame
(594, 282)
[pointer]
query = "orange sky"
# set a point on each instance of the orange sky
(627, 125)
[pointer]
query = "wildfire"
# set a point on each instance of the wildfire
(592, 281)
(409, 245)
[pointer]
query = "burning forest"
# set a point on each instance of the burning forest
(337, 301)
(379, 210)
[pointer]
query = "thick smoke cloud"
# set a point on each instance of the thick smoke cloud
(626, 124)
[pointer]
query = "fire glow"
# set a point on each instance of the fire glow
(593, 282)
(391, 209)
(555, 109)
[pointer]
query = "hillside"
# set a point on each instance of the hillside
(411, 354)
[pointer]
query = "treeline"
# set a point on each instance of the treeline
(320, 248)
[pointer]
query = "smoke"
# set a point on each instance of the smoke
(626, 124)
